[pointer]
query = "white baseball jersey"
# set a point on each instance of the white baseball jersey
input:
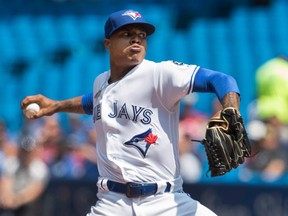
(136, 121)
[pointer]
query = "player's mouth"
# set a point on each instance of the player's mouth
(135, 48)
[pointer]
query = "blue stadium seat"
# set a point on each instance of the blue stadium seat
(71, 77)
(261, 34)
(240, 43)
(220, 46)
(91, 27)
(30, 81)
(10, 95)
(178, 49)
(50, 81)
(67, 30)
(46, 33)
(8, 47)
(94, 66)
(24, 37)
(279, 26)
(197, 42)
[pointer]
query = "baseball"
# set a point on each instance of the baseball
(32, 109)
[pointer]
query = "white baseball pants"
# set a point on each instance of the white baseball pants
(166, 204)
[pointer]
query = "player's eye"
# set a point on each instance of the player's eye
(126, 34)
(142, 35)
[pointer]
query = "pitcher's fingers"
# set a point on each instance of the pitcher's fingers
(31, 99)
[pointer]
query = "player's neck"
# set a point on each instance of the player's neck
(117, 73)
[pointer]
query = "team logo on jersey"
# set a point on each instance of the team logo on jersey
(143, 141)
(180, 63)
(133, 14)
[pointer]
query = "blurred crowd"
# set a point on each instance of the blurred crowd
(269, 141)
(41, 152)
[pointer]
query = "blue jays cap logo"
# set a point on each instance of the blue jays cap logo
(142, 142)
(133, 14)
(121, 18)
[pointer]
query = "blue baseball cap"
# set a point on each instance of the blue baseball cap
(126, 17)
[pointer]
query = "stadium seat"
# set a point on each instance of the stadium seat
(197, 37)
(279, 26)
(24, 38)
(46, 33)
(261, 35)
(7, 43)
(67, 30)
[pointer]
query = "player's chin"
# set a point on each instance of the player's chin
(137, 57)
(135, 62)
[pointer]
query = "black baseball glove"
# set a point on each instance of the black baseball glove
(226, 142)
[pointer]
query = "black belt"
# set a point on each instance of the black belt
(133, 190)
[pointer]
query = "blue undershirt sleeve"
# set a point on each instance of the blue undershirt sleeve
(214, 82)
(87, 103)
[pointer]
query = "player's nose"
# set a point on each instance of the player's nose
(135, 39)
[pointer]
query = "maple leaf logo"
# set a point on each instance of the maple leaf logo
(142, 142)
(151, 138)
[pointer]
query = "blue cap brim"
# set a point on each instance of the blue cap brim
(148, 28)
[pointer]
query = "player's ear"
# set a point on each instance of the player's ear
(107, 44)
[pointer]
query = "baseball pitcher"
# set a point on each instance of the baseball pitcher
(135, 109)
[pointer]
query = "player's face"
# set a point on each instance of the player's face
(127, 46)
